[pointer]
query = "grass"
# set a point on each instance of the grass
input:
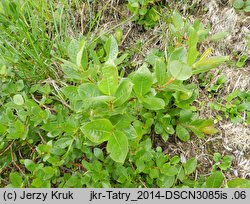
(32, 33)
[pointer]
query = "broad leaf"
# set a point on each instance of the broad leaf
(192, 47)
(190, 166)
(178, 21)
(72, 50)
(239, 183)
(123, 92)
(109, 83)
(215, 180)
(18, 99)
(15, 180)
(71, 92)
(79, 54)
(30, 165)
(179, 54)
(98, 130)
(182, 133)
(179, 70)
(63, 142)
(88, 90)
(111, 49)
(160, 71)
(118, 146)
(142, 80)
(153, 103)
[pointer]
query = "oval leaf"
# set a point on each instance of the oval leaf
(18, 99)
(182, 133)
(98, 130)
(239, 183)
(118, 146)
(142, 80)
(180, 70)
(160, 71)
(111, 49)
(153, 103)
(190, 166)
(215, 180)
(109, 83)
(123, 92)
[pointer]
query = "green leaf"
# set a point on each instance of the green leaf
(218, 36)
(123, 92)
(109, 82)
(142, 80)
(197, 132)
(30, 165)
(160, 71)
(80, 53)
(215, 180)
(154, 173)
(192, 47)
(180, 70)
(238, 4)
(217, 157)
(111, 48)
(247, 9)
(167, 181)
(15, 180)
(178, 21)
(209, 130)
(185, 116)
(179, 54)
(169, 170)
(71, 92)
(88, 90)
(46, 173)
(206, 64)
(190, 166)
(19, 130)
(239, 183)
(73, 49)
(98, 130)
(118, 146)
(182, 133)
(18, 99)
(153, 103)
(63, 142)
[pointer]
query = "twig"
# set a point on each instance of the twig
(14, 162)
(6, 149)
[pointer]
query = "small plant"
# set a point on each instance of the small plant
(242, 5)
(145, 12)
(236, 107)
